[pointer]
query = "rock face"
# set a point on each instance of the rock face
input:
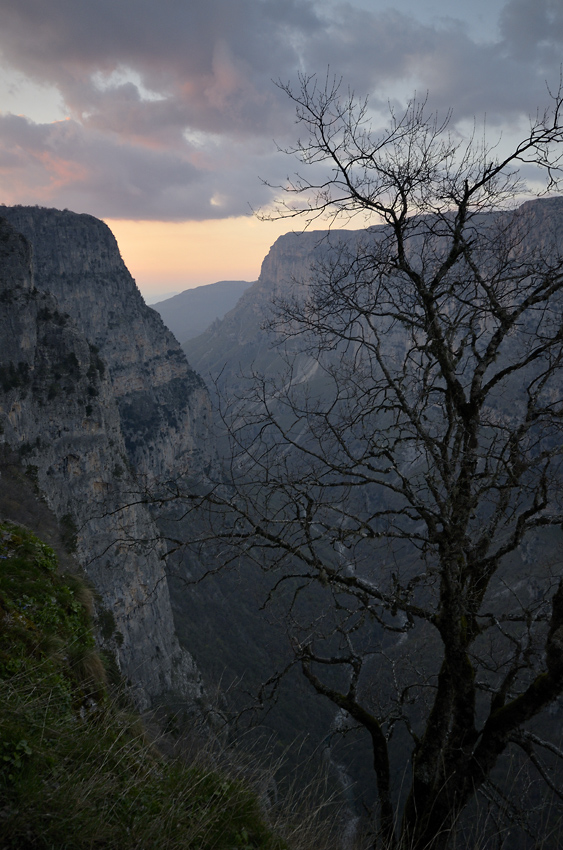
(238, 343)
(60, 411)
(163, 404)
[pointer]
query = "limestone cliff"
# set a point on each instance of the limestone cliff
(59, 412)
(238, 343)
(163, 404)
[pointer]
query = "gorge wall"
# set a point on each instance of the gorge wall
(83, 408)
(238, 343)
(163, 404)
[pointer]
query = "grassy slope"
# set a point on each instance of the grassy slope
(76, 771)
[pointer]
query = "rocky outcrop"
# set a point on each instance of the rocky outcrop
(163, 404)
(59, 412)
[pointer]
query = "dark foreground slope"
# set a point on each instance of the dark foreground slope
(75, 769)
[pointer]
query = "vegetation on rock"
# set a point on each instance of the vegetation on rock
(76, 770)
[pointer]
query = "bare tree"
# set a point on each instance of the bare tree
(435, 446)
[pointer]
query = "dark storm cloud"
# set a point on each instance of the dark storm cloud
(172, 105)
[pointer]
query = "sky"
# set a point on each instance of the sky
(162, 117)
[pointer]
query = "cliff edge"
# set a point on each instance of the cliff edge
(163, 404)
(60, 413)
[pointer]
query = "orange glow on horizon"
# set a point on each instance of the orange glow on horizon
(165, 256)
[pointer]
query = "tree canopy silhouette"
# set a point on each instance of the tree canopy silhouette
(405, 488)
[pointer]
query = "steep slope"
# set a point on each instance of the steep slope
(75, 770)
(189, 313)
(59, 413)
(163, 405)
(238, 343)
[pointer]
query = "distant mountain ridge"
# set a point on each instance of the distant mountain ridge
(191, 312)
(238, 343)
(154, 298)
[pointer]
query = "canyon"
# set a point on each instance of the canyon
(101, 411)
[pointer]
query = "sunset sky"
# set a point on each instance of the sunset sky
(161, 116)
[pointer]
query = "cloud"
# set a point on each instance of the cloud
(532, 29)
(64, 164)
(172, 107)
(212, 59)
